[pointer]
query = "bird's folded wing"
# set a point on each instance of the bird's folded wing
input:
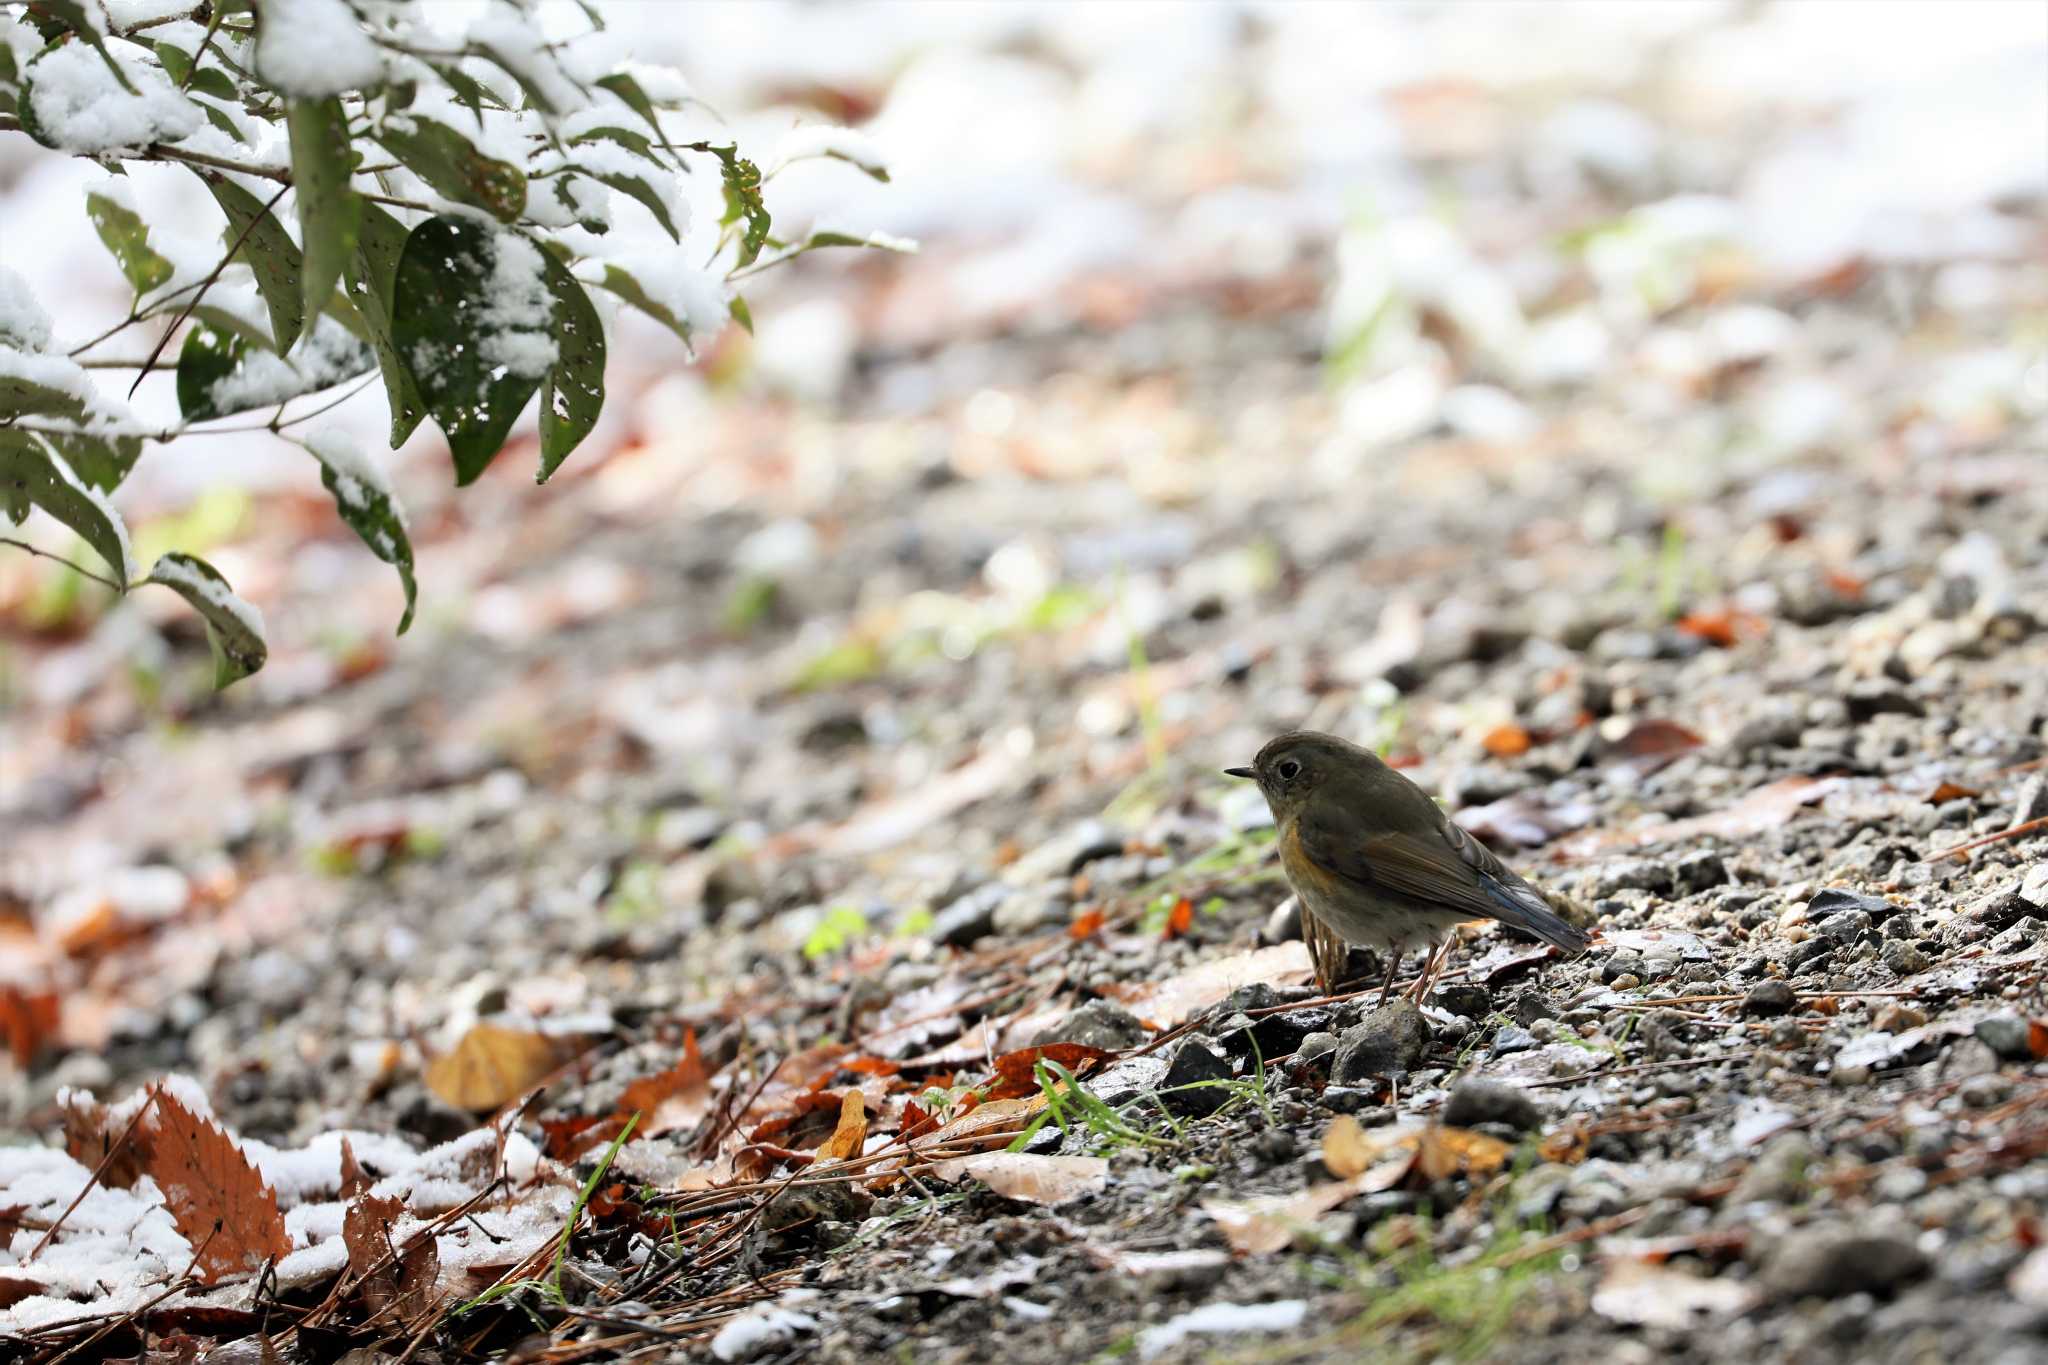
(1446, 867)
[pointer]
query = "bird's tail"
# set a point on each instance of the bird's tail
(1524, 907)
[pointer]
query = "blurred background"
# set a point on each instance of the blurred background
(1407, 370)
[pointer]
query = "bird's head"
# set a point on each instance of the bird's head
(1292, 767)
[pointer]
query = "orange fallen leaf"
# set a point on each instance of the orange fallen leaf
(1507, 741)
(994, 1123)
(1950, 791)
(216, 1196)
(493, 1065)
(1259, 1226)
(1017, 1072)
(1180, 919)
(1657, 739)
(1086, 924)
(27, 1020)
(1566, 1146)
(1723, 629)
(846, 1139)
(672, 1099)
(2037, 1037)
(1846, 585)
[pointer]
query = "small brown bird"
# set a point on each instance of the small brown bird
(1376, 862)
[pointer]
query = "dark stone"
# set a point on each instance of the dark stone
(1845, 926)
(1463, 998)
(1834, 1261)
(1533, 1005)
(1835, 901)
(1697, 872)
(1904, 959)
(1479, 1101)
(1245, 999)
(970, 918)
(1510, 1040)
(2000, 909)
(1804, 954)
(1869, 697)
(1620, 965)
(1096, 1024)
(1192, 1064)
(1392, 1039)
(2006, 1035)
(1769, 997)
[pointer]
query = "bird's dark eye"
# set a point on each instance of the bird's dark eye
(1288, 769)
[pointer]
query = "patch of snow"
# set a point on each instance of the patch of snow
(81, 107)
(329, 354)
(694, 296)
(1283, 1315)
(519, 309)
(515, 44)
(814, 140)
(764, 1328)
(358, 474)
(315, 48)
(23, 323)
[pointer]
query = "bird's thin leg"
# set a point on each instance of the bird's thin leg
(1431, 966)
(1393, 966)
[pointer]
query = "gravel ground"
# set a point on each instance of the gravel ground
(896, 722)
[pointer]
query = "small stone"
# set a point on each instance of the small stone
(1627, 981)
(1463, 999)
(1362, 1101)
(1027, 912)
(1316, 1045)
(1284, 924)
(2007, 1035)
(1246, 999)
(1620, 965)
(1768, 997)
(1391, 1039)
(2034, 890)
(1192, 1064)
(1475, 1102)
(1805, 954)
(1869, 697)
(970, 918)
(1833, 1261)
(2033, 802)
(1834, 901)
(1512, 1040)
(1967, 1058)
(1984, 1092)
(1697, 872)
(1896, 1018)
(1846, 926)
(1533, 1005)
(1904, 959)
(1777, 1175)
(1096, 1024)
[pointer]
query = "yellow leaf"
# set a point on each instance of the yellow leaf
(492, 1066)
(846, 1139)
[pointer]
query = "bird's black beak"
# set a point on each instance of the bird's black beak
(1239, 772)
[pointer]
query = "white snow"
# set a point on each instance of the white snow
(764, 1328)
(825, 140)
(694, 296)
(175, 574)
(517, 46)
(358, 474)
(519, 309)
(23, 323)
(315, 48)
(326, 356)
(1282, 1315)
(82, 108)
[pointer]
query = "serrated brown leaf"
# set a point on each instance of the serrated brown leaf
(214, 1193)
(15, 1288)
(87, 1136)
(353, 1181)
(492, 1066)
(851, 1131)
(366, 1230)
(419, 1270)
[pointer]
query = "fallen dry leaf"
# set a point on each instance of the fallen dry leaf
(1639, 1293)
(27, 1020)
(1030, 1177)
(1507, 741)
(998, 1120)
(1180, 919)
(89, 1133)
(676, 1098)
(494, 1065)
(1258, 1227)
(1949, 791)
(851, 1132)
(1723, 629)
(1017, 1072)
(1163, 1004)
(1650, 744)
(1086, 924)
(366, 1230)
(215, 1195)
(1385, 1157)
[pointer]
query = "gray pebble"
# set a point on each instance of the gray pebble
(1475, 1102)
(1768, 997)
(1393, 1038)
(1834, 1260)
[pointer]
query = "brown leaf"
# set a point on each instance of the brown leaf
(1030, 1177)
(1657, 739)
(1347, 1151)
(1259, 1226)
(1017, 1072)
(1723, 628)
(494, 1065)
(916, 1122)
(1086, 924)
(1566, 1146)
(852, 1131)
(88, 1133)
(214, 1193)
(353, 1181)
(14, 1288)
(2037, 1037)
(419, 1274)
(28, 1019)
(1950, 791)
(1507, 741)
(366, 1230)
(672, 1099)
(1444, 1152)
(996, 1122)
(1162, 1004)
(565, 1139)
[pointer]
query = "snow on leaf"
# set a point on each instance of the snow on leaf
(572, 393)
(363, 497)
(450, 162)
(269, 251)
(33, 473)
(314, 49)
(86, 102)
(214, 1193)
(233, 627)
(370, 277)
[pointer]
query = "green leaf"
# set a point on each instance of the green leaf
(743, 201)
(742, 314)
(572, 393)
(101, 460)
(127, 237)
(176, 62)
(443, 328)
(368, 507)
(330, 213)
(642, 191)
(372, 276)
(226, 320)
(270, 253)
(879, 241)
(633, 97)
(31, 472)
(220, 373)
(451, 163)
(219, 119)
(233, 627)
(633, 141)
(10, 79)
(618, 280)
(469, 91)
